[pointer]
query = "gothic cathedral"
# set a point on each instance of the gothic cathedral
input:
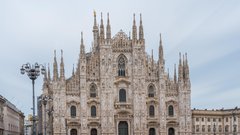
(118, 89)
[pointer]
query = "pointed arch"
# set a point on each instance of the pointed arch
(171, 131)
(93, 131)
(93, 111)
(170, 111)
(93, 90)
(73, 132)
(152, 131)
(123, 128)
(151, 90)
(151, 111)
(122, 62)
(73, 111)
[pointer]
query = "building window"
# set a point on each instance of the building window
(220, 128)
(123, 128)
(93, 111)
(152, 131)
(214, 119)
(121, 66)
(208, 119)
(73, 111)
(226, 128)
(197, 119)
(151, 91)
(171, 131)
(197, 128)
(170, 111)
(94, 131)
(122, 95)
(73, 132)
(209, 128)
(234, 118)
(203, 128)
(93, 90)
(219, 120)
(226, 119)
(151, 111)
(202, 119)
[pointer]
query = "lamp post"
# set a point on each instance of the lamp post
(33, 71)
(45, 99)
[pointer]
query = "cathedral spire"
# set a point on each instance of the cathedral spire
(175, 74)
(134, 29)
(62, 72)
(160, 55)
(141, 33)
(108, 28)
(186, 68)
(82, 47)
(180, 68)
(95, 31)
(55, 68)
(49, 75)
(102, 37)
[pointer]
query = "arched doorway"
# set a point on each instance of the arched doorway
(152, 131)
(73, 132)
(171, 131)
(123, 128)
(94, 131)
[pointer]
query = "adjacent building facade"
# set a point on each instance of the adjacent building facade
(11, 119)
(118, 89)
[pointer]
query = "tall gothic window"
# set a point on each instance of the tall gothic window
(152, 131)
(73, 111)
(151, 111)
(151, 91)
(94, 131)
(121, 66)
(170, 110)
(73, 132)
(122, 95)
(171, 131)
(93, 111)
(123, 128)
(93, 90)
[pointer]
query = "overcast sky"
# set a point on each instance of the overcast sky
(208, 30)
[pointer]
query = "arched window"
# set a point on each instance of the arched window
(93, 111)
(94, 131)
(170, 111)
(152, 131)
(123, 128)
(151, 91)
(73, 132)
(73, 111)
(171, 131)
(151, 111)
(93, 90)
(121, 66)
(122, 95)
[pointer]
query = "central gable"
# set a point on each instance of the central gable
(121, 42)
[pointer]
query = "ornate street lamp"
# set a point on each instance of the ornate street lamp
(33, 71)
(45, 99)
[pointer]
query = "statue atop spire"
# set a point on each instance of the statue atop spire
(180, 69)
(95, 31)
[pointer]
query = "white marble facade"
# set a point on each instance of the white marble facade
(118, 89)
